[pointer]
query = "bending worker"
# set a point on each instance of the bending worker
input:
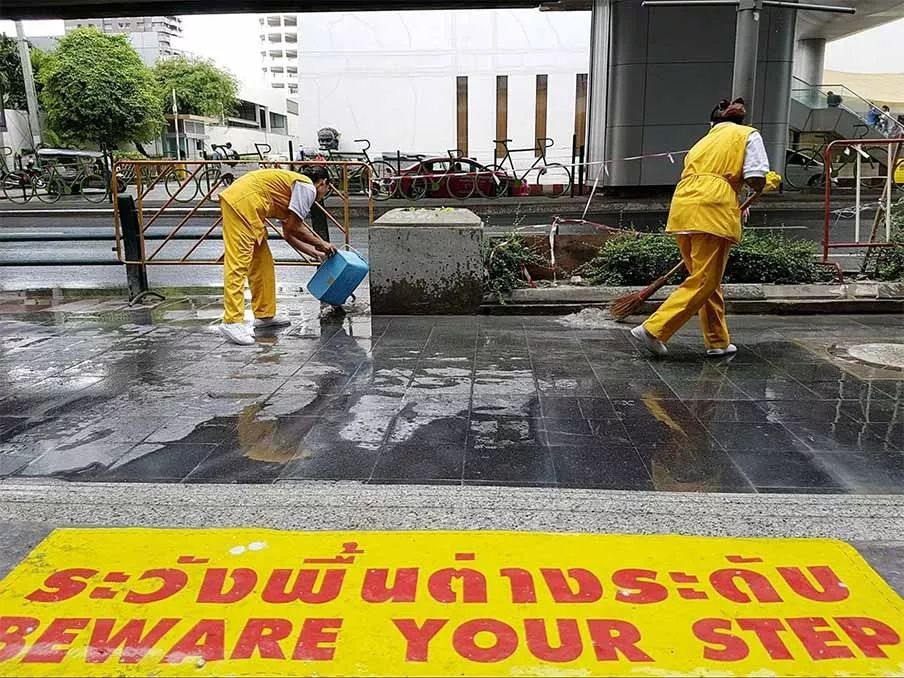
(245, 205)
(706, 220)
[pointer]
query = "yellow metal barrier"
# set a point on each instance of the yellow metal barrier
(196, 184)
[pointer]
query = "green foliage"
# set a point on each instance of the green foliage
(638, 259)
(634, 259)
(503, 260)
(201, 88)
(772, 258)
(97, 90)
(12, 84)
(890, 262)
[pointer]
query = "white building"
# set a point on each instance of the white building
(266, 120)
(279, 51)
(152, 37)
(393, 77)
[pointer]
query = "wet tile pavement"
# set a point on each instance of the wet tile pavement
(96, 392)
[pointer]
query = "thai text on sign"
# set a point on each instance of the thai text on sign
(258, 602)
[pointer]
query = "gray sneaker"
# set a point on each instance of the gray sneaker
(275, 321)
(648, 341)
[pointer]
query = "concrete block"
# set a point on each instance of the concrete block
(890, 290)
(805, 291)
(426, 261)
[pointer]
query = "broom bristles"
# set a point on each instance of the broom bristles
(629, 304)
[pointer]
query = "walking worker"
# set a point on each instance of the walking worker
(706, 220)
(245, 206)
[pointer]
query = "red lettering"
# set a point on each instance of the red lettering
(831, 590)
(464, 640)
(104, 642)
(728, 648)
(767, 631)
(641, 586)
(277, 588)
(205, 640)
(815, 634)
(63, 585)
(570, 644)
(243, 583)
(522, 585)
(314, 634)
(60, 632)
(376, 588)
(418, 637)
(12, 635)
(867, 634)
(589, 588)
(263, 636)
(611, 636)
(171, 582)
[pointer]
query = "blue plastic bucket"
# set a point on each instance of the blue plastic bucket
(338, 277)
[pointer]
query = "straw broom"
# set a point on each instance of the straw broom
(629, 304)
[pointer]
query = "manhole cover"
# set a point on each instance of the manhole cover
(882, 355)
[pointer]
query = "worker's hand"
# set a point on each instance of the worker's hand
(745, 214)
(327, 248)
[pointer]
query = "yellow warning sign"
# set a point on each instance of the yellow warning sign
(252, 602)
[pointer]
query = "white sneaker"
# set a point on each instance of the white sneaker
(648, 341)
(731, 349)
(275, 321)
(237, 333)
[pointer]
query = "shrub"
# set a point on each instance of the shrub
(638, 259)
(503, 260)
(890, 262)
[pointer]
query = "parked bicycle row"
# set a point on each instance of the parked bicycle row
(52, 173)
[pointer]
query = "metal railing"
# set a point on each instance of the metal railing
(893, 149)
(204, 178)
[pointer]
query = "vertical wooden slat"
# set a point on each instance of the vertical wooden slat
(540, 117)
(462, 113)
(580, 109)
(501, 113)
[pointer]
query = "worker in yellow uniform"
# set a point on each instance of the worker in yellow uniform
(245, 206)
(706, 220)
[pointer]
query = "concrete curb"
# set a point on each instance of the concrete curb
(855, 297)
(353, 506)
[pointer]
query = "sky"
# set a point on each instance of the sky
(232, 42)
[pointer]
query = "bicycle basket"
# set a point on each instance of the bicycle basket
(328, 138)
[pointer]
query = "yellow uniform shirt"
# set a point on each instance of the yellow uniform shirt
(262, 194)
(706, 198)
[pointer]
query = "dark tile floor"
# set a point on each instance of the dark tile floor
(101, 393)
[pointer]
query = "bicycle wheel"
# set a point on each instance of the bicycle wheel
(52, 190)
(212, 181)
(873, 168)
(93, 188)
(803, 169)
(383, 184)
(557, 177)
(418, 188)
(177, 191)
(17, 187)
(494, 182)
(460, 184)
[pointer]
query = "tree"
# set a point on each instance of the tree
(96, 89)
(12, 84)
(201, 88)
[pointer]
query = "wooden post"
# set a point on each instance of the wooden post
(462, 113)
(540, 114)
(501, 113)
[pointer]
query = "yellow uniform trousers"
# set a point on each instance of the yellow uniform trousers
(705, 257)
(247, 257)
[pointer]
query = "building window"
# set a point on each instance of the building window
(278, 122)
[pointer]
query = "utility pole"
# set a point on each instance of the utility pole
(31, 96)
(747, 34)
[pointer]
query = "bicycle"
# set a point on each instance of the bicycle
(93, 187)
(805, 167)
(382, 184)
(17, 184)
(560, 175)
